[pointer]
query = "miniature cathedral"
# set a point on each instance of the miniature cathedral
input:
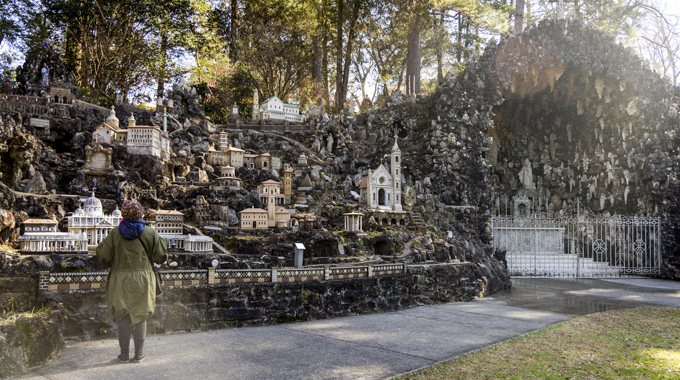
(381, 189)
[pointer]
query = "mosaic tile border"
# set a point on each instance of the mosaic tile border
(55, 282)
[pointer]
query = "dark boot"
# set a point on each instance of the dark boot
(124, 356)
(139, 348)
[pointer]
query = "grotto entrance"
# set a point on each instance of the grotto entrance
(381, 248)
(322, 249)
(582, 124)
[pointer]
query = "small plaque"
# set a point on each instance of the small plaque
(40, 123)
(215, 263)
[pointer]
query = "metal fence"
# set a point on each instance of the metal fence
(579, 246)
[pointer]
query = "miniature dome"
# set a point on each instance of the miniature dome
(112, 119)
(79, 211)
(93, 206)
(117, 212)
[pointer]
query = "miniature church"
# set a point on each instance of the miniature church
(92, 221)
(381, 189)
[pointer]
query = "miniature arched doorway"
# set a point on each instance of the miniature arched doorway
(255, 224)
(381, 248)
(56, 98)
(264, 164)
(385, 222)
(322, 249)
(381, 197)
(402, 222)
(522, 209)
(394, 222)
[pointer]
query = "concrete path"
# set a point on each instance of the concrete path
(375, 346)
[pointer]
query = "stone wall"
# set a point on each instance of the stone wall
(236, 305)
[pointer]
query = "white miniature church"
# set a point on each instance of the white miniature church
(381, 189)
(275, 109)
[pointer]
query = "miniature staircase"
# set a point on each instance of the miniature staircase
(419, 222)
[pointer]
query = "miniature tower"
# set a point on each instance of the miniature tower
(131, 121)
(395, 166)
(224, 141)
(271, 206)
(112, 120)
(256, 104)
(369, 191)
(287, 179)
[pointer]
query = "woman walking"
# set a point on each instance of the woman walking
(131, 286)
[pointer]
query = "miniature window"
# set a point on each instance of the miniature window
(396, 159)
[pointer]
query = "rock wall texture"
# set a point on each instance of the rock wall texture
(205, 308)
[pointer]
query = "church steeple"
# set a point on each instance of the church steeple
(395, 168)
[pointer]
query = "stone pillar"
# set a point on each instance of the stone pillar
(211, 276)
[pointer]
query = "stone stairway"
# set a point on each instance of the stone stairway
(419, 222)
(557, 265)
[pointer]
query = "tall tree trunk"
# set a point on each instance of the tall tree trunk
(440, 47)
(348, 52)
(459, 38)
(519, 16)
(316, 43)
(161, 73)
(413, 57)
(324, 71)
(338, 57)
(233, 30)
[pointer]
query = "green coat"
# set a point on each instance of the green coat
(132, 285)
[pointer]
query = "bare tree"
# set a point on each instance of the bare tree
(660, 42)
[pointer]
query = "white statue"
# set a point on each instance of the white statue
(625, 194)
(526, 176)
(603, 198)
(45, 75)
(329, 144)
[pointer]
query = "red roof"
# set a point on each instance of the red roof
(364, 183)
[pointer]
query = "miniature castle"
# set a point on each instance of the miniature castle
(92, 221)
(275, 109)
(139, 139)
(381, 189)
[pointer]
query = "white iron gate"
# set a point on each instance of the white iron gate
(580, 246)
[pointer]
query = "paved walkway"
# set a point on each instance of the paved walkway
(375, 346)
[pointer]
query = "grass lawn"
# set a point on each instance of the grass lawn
(641, 343)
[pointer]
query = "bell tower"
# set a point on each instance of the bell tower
(395, 167)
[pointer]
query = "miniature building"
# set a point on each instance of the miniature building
(270, 188)
(259, 161)
(201, 210)
(92, 221)
(302, 160)
(381, 190)
(227, 179)
(287, 180)
(227, 155)
(353, 221)
(60, 95)
(169, 225)
(39, 225)
(169, 222)
(49, 242)
(275, 215)
(109, 131)
(98, 160)
(275, 109)
(306, 184)
(147, 140)
(253, 218)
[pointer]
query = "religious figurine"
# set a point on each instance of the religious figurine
(603, 198)
(525, 175)
(625, 195)
(45, 75)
